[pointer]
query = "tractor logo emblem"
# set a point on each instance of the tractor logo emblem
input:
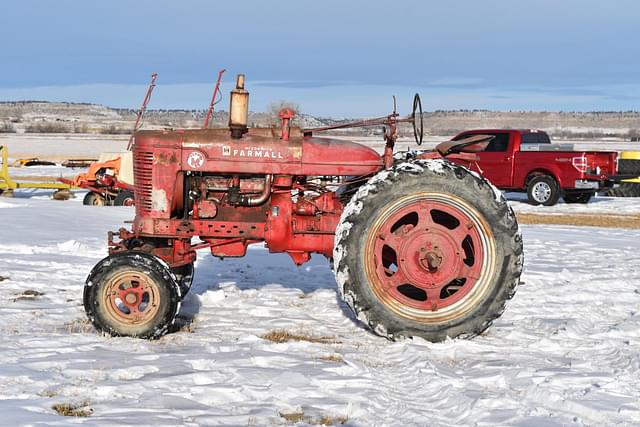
(195, 160)
(226, 150)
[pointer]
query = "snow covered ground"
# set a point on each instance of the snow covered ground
(598, 205)
(565, 353)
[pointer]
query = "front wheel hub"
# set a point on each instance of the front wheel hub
(131, 298)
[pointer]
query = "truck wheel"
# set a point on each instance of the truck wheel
(543, 190)
(427, 249)
(581, 197)
(184, 278)
(124, 198)
(131, 294)
(93, 199)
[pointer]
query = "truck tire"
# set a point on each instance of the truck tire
(132, 294)
(427, 249)
(124, 198)
(578, 197)
(543, 190)
(93, 199)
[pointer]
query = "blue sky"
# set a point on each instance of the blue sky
(340, 58)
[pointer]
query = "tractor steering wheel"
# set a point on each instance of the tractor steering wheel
(418, 127)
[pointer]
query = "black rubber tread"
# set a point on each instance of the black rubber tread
(578, 197)
(184, 277)
(629, 167)
(122, 197)
(170, 295)
(625, 189)
(555, 190)
(420, 176)
(90, 199)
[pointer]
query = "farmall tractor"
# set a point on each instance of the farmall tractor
(419, 246)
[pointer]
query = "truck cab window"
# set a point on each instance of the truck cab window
(535, 138)
(499, 143)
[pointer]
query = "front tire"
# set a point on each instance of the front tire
(543, 190)
(132, 294)
(427, 249)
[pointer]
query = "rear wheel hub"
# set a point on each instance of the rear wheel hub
(428, 255)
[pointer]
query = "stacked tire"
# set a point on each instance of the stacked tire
(628, 164)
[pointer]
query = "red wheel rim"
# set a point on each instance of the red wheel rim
(429, 257)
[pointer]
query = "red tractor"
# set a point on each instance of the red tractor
(419, 246)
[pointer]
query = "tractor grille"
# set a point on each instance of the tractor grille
(143, 175)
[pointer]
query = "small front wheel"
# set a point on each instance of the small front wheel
(132, 294)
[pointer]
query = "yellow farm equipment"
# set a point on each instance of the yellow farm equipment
(8, 184)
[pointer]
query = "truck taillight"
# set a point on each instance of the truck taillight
(580, 163)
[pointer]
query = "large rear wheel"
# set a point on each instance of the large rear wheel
(427, 249)
(132, 294)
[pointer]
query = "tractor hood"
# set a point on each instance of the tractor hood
(259, 152)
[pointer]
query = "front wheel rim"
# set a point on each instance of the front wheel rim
(430, 257)
(131, 298)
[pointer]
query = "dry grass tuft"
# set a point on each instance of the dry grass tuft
(292, 417)
(323, 420)
(48, 393)
(3, 278)
(328, 420)
(73, 409)
(28, 295)
(282, 335)
(335, 358)
(78, 326)
(590, 220)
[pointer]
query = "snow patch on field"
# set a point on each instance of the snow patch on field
(5, 205)
(565, 352)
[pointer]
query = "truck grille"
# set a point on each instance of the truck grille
(143, 175)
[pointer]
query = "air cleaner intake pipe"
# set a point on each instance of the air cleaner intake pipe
(239, 109)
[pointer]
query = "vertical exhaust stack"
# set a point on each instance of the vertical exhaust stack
(239, 109)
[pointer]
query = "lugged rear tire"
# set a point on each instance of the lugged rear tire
(435, 224)
(132, 294)
(625, 189)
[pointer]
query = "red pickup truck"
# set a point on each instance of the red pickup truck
(525, 160)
